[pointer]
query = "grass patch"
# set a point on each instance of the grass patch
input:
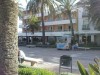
(26, 70)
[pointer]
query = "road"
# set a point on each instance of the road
(51, 57)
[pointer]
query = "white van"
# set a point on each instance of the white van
(64, 42)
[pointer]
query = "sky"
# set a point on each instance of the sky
(24, 2)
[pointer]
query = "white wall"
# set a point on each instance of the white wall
(18, 26)
(80, 19)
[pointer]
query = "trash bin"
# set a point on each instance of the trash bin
(65, 62)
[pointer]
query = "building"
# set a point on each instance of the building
(55, 27)
(87, 29)
(59, 25)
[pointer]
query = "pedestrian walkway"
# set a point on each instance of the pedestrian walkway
(51, 66)
(51, 57)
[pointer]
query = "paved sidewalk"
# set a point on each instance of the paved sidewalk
(51, 67)
(51, 57)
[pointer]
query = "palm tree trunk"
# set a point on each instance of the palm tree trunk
(43, 27)
(8, 37)
(72, 30)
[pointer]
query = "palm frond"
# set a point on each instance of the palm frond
(33, 23)
(95, 12)
(35, 6)
(67, 4)
(20, 13)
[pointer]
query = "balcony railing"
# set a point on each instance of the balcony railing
(54, 30)
(85, 28)
(59, 22)
(85, 14)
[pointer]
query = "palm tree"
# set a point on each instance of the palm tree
(39, 6)
(95, 12)
(20, 11)
(8, 37)
(68, 6)
(33, 24)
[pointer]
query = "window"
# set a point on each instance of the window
(50, 18)
(59, 28)
(58, 17)
(85, 24)
(50, 28)
(85, 21)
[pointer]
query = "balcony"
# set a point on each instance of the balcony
(60, 22)
(85, 14)
(26, 16)
(21, 26)
(46, 33)
(38, 15)
(85, 28)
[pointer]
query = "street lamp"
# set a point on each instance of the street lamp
(86, 39)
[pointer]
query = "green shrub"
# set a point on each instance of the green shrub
(25, 71)
(91, 44)
(22, 66)
(94, 69)
(36, 71)
(52, 42)
(52, 46)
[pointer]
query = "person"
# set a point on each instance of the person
(75, 46)
(67, 44)
(21, 56)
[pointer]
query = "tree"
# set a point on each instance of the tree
(95, 12)
(8, 37)
(33, 24)
(20, 12)
(39, 6)
(92, 7)
(68, 6)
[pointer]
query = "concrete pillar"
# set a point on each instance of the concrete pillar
(62, 27)
(21, 39)
(31, 39)
(80, 39)
(92, 38)
(27, 39)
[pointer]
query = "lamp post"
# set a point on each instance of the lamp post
(86, 39)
